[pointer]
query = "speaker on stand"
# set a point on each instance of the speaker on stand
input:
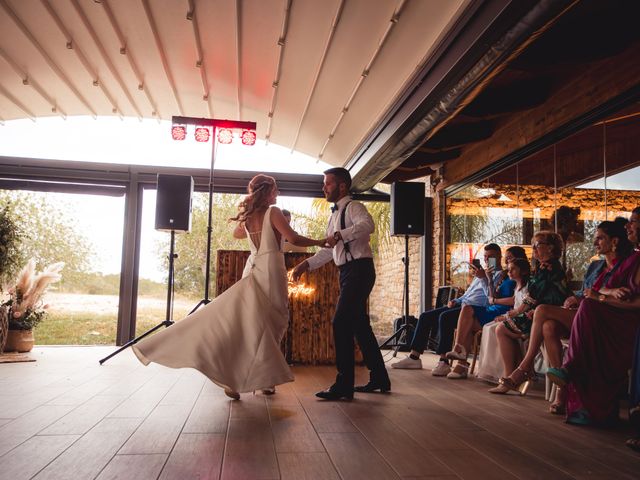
(407, 220)
(173, 214)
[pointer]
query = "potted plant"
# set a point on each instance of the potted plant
(25, 305)
(10, 236)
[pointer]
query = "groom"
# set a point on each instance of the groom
(348, 234)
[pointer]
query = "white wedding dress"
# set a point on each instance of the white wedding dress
(235, 339)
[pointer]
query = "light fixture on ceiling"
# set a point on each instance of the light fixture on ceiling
(178, 132)
(225, 136)
(202, 134)
(248, 137)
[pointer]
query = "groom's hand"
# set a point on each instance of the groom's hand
(300, 269)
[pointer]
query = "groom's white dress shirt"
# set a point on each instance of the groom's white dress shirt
(358, 228)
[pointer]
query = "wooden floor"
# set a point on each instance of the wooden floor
(67, 417)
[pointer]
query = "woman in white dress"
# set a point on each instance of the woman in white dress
(235, 339)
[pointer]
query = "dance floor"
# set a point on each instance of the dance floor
(66, 417)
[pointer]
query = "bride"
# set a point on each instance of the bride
(235, 339)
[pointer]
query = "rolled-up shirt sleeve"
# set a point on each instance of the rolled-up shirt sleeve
(324, 255)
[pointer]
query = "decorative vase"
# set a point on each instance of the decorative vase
(4, 327)
(19, 341)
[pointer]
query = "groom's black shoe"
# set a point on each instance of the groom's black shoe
(335, 393)
(374, 385)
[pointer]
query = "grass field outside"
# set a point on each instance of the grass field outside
(79, 319)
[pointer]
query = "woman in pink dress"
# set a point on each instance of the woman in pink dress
(602, 340)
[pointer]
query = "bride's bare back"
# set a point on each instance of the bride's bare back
(253, 225)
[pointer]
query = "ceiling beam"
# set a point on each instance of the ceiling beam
(192, 16)
(52, 64)
(105, 56)
(314, 84)
(393, 21)
(125, 51)
(282, 42)
(72, 45)
(162, 54)
(17, 103)
(30, 81)
(533, 130)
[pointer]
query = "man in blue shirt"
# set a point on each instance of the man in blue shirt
(444, 320)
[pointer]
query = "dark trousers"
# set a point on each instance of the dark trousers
(441, 321)
(351, 320)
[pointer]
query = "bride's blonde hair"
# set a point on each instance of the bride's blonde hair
(258, 192)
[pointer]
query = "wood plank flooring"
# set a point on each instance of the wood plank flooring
(66, 417)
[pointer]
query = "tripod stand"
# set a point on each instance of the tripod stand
(205, 300)
(402, 335)
(169, 313)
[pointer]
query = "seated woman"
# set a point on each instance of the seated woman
(472, 318)
(601, 342)
(552, 323)
(634, 398)
(490, 365)
(633, 232)
(547, 285)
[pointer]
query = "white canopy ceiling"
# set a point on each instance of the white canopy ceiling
(316, 75)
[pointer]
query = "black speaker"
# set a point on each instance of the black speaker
(173, 202)
(407, 209)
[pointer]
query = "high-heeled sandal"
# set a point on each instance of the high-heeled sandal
(559, 376)
(500, 389)
(518, 385)
(459, 372)
(457, 353)
(559, 405)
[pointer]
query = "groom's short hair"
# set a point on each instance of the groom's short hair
(342, 174)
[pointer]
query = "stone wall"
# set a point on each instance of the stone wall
(386, 300)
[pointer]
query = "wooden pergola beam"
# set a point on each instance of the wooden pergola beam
(594, 87)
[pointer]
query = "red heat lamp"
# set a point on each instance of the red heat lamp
(248, 137)
(225, 136)
(178, 132)
(202, 134)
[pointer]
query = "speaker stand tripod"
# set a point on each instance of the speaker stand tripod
(169, 313)
(404, 334)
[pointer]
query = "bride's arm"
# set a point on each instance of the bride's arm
(280, 223)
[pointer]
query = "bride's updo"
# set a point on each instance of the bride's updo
(259, 190)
